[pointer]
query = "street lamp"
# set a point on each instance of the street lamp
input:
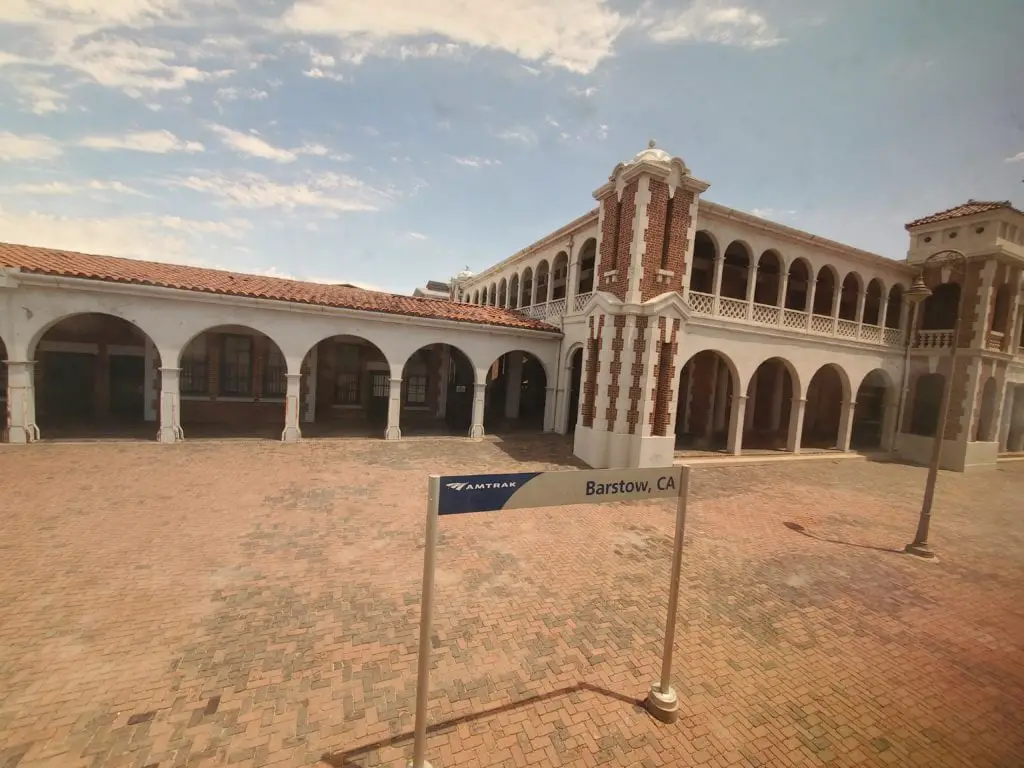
(919, 292)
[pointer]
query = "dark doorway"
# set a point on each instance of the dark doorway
(459, 404)
(68, 387)
(380, 393)
(575, 379)
(127, 387)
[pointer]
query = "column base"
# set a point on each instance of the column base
(23, 435)
(393, 433)
(477, 430)
(291, 434)
(426, 764)
(920, 550)
(173, 434)
(663, 707)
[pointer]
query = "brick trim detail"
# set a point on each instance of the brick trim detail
(636, 392)
(592, 365)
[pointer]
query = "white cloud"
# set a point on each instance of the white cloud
(156, 142)
(231, 93)
(52, 188)
(475, 162)
(1018, 158)
(326, 192)
(715, 21)
(29, 147)
(318, 74)
(161, 238)
(520, 134)
(772, 214)
(252, 145)
(584, 92)
(574, 34)
(416, 236)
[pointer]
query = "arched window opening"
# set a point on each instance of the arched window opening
(735, 271)
(702, 271)
(798, 285)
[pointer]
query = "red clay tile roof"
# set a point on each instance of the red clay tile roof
(966, 209)
(47, 261)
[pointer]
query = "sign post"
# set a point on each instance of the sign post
(454, 495)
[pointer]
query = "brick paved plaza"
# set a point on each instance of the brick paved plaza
(253, 603)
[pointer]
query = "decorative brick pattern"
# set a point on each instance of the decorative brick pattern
(268, 615)
(661, 415)
(609, 236)
(666, 239)
(592, 367)
(638, 373)
(615, 370)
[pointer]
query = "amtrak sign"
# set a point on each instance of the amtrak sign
(462, 494)
(488, 493)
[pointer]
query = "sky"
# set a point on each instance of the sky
(391, 142)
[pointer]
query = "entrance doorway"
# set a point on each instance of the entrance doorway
(575, 380)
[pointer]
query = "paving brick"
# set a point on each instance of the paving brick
(249, 603)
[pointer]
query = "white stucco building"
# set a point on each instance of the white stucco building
(657, 321)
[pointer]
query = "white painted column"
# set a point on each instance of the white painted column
(736, 421)
(476, 429)
(394, 431)
(549, 409)
(572, 281)
(889, 425)
(513, 384)
(846, 425)
(883, 313)
(751, 288)
(292, 408)
(21, 402)
(812, 289)
(1007, 418)
(170, 406)
(796, 425)
(781, 300)
(778, 388)
(716, 285)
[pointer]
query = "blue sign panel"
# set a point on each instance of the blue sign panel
(479, 493)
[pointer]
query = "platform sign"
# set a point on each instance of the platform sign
(488, 493)
(462, 494)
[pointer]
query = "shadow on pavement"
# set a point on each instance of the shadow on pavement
(803, 531)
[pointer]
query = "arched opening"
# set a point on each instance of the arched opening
(702, 271)
(873, 396)
(348, 379)
(706, 390)
(492, 295)
(939, 311)
(588, 257)
(516, 394)
(986, 429)
(96, 375)
(894, 307)
(1001, 309)
(769, 403)
(526, 289)
(503, 293)
(233, 383)
(824, 408)
(3, 387)
(513, 292)
(798, 285)
(559, 275)
(735, 271)
(769, 276)
(542, 278)
(849, 296)
(873, 303)
(1015, 430)
(825, 291)
(476, 296)
(437, 392)
(575, 389)
(924, 415)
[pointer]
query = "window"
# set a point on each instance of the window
(236, 366)
(194, 377)
(381, 385)
(346, 383)
(275, 381)
(416, 390)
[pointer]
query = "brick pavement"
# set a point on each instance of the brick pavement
(252, 603)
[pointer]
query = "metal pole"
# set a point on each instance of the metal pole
(419, 748)
(663, 703)
(911, 330)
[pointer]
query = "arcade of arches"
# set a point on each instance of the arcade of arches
(98, 375)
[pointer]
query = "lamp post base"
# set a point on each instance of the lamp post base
(920, 550)
(662, 706)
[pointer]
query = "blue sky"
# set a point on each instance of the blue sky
(397, 141)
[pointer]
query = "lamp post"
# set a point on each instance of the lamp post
(917, 293)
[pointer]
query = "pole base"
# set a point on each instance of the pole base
(920, 550)
(662, 706)
(424, 764)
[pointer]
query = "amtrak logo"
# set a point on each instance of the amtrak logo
(479, 486)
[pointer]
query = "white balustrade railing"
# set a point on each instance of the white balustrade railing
(765, 314)
(794, 319)
(580, 301)
(933, 339)
(821, 324)
(734, 309)
(872, 333)
(846, 329)
(556, 307)
(702, 303)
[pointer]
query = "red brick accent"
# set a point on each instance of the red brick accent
(609, 235)
(588, 410)
(636, 392)
(612, 412)
(663, 393)
(702, 390)
(666, 238)
(617, 239)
